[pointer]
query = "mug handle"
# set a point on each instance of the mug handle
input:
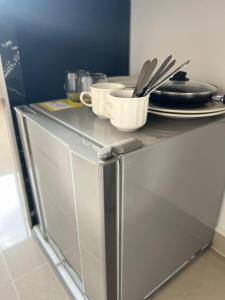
(82, 98)
(106, 111)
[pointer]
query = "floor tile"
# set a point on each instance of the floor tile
(24, 257)
(4, 273)
(219, 243)
(40, 284)
(13, 228)
(7, 292)
(203, 280)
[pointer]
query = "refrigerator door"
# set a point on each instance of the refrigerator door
(76, 193)
(53, 171)
(171, 198)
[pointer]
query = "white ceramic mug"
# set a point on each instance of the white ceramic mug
(124, 112)
(98, 94)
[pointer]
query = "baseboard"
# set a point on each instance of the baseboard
(218, 243)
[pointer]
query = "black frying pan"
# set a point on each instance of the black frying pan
(180, 91)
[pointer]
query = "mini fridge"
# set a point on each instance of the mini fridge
(120, 213)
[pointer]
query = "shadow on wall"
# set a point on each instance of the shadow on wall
(55, 36)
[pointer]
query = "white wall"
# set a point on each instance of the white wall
(221, 224)
(188, 29)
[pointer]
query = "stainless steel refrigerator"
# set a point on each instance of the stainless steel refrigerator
(120, 213)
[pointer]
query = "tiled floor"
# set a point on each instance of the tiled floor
(203, 280)
(25, 273)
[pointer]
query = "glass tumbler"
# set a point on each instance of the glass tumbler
(84, 82)
(98, 77)
(76, 82)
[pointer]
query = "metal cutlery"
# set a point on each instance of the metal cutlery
(159, 76)
(144, 76)
(148, 76)
(141, 76)
(143, 81)
(160, 69)
(159, 83)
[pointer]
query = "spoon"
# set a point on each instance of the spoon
(158, 84)
(141, 76)
(148, 72)
(166, 69)
(160, 69)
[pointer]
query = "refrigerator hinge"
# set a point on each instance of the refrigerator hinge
(105, 153)
(126, 146)
(123, 147)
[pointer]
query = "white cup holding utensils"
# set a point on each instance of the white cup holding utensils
(98, 95)
(125, 113)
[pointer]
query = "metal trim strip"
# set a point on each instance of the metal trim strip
(110, 212)
(186, 263)
(58, 266)
(30, 166)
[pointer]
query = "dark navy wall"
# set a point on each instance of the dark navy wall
(41, 39)
(57, 35)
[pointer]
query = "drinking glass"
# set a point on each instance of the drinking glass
(84, 81)
(98, 77)
(76, 82)
(79, 81)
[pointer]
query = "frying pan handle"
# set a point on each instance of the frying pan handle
(220, 98)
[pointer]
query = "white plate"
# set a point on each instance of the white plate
(186, 116)
(128, 81)
(210, 107)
